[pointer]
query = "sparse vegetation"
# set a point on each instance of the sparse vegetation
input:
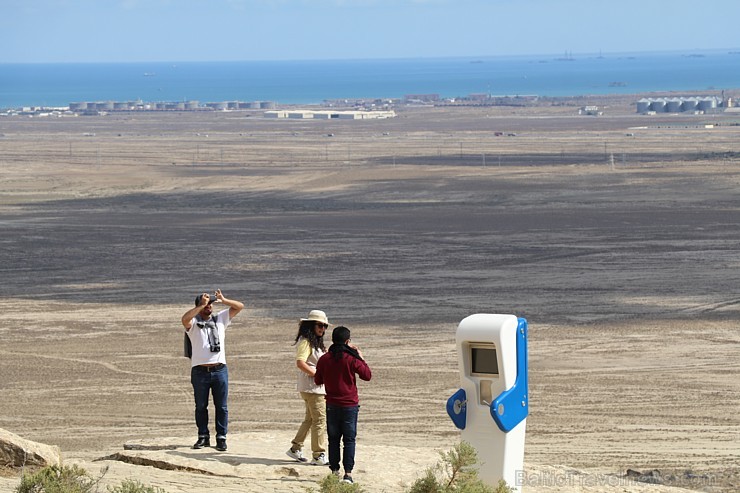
(58, 479)
(74, 479)
(333, 484)
(456, 473)
(133, 486)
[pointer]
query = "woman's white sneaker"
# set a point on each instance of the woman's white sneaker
(321, 460)
(296, 454)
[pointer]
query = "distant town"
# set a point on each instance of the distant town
(96, 108)
(359, 109)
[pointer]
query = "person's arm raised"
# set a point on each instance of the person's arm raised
(234, 306)
(188, 316)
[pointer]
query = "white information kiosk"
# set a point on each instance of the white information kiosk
(491, 406)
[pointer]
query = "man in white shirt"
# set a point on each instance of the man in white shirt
(208, 373)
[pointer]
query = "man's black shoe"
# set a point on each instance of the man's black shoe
(221, 444)
(202, 442)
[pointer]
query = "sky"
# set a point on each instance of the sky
(36, 31)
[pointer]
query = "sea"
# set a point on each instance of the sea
(316, 81)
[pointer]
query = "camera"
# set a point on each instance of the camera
(211, 298)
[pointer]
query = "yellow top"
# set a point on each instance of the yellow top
(303, 350)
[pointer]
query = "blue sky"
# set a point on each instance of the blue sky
(220, 30)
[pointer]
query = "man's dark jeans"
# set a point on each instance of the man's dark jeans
(216, 382)
(341, 424)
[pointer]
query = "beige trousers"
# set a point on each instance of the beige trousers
(315, 422)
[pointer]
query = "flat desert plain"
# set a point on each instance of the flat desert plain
(617, 237)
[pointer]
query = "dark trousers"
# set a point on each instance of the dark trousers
(215, 382)
(341, 425)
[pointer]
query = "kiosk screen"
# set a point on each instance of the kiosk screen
(484, 361)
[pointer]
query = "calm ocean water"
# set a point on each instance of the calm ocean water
(315, 81)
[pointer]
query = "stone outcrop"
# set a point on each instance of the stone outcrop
(16, 451)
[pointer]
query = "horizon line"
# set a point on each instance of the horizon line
(570, 54)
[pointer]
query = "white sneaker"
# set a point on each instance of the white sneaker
(321, 460)
(296, 454)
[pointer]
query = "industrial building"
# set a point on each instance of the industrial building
(109, 106)
(590, 110)
(330, 115)
(704, 104)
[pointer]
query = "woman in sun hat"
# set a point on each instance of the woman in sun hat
(310, 347)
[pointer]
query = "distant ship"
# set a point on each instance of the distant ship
(567, 58)
(618, 83)
(149, 74)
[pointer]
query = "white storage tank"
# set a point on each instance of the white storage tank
(658, 105)
(690, 104)
(643, 105)
(673, 105)
(707, 104)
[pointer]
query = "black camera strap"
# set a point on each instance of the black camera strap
(212, 333)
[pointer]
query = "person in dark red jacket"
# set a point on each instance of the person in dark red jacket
(336, 371)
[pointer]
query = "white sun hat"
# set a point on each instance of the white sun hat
(316, 316)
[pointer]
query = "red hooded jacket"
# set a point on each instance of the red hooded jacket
(338, 378)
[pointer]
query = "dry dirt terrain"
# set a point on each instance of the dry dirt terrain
(616, 237)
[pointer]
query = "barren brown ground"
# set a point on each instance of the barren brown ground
(620, 250)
